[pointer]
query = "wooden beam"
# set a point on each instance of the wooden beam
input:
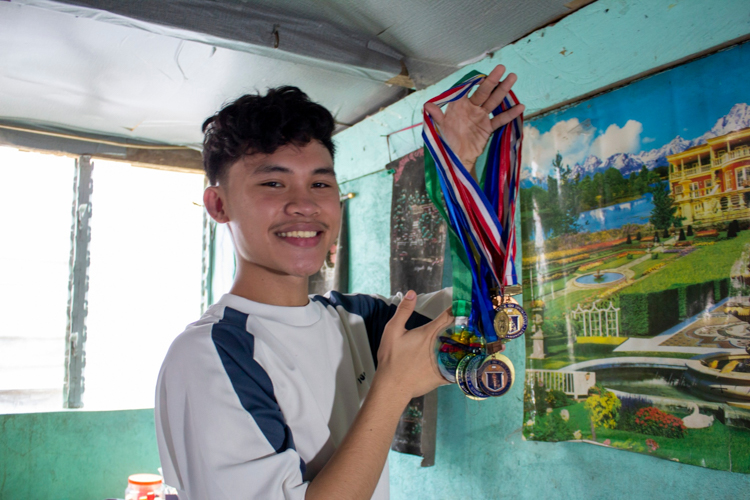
(64, 143)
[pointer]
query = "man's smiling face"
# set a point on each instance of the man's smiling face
(283, 209)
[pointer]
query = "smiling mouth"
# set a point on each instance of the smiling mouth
(299, 234)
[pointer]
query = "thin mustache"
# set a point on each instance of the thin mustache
(317, 223)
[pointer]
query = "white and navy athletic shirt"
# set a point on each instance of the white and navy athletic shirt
(253, 399)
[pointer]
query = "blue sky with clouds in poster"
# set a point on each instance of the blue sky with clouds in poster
(685, 101)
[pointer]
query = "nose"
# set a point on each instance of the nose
(301, 202)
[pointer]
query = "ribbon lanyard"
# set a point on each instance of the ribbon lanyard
(482, 236)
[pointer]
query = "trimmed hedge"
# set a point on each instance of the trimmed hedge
(697, 296)
(648, 314)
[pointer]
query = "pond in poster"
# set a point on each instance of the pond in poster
(636, 267)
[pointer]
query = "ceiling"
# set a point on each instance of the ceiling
(153, 71)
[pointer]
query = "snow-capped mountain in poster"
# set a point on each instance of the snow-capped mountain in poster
(737, 119)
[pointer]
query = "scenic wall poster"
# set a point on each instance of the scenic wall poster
(635, 214)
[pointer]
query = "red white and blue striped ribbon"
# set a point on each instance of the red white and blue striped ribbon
(491, 225)
(503, 177)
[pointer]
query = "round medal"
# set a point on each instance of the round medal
(517, 320)
(501, 323)
(472, 379)
(461, 373)
(461, 379)
(496, 375)
(448, 356)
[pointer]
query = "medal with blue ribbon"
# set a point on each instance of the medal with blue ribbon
(482, 242)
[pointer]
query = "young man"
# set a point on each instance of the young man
(273, 394)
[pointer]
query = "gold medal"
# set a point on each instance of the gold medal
(501, 323)
(496, 375)
(517, 320)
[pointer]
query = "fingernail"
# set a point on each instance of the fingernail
(410, 295)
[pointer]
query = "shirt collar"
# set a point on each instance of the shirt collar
(294, 316)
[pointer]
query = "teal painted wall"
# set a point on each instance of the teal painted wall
(74, 455)
(480, 452)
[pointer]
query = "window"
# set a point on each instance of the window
(223, 263)
(728, 179)
(743, 177)
(144, 278)
(34, 263)
(144, 272)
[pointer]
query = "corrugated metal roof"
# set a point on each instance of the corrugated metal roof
(153, 71)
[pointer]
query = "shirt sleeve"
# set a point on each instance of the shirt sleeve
(377, 310)
(220, 431)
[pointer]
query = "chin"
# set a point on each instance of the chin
(306, 269)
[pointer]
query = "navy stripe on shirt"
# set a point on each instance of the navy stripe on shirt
(236, 347)
(374, 311)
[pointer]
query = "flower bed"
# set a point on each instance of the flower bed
(570, 252)
(631, 252)
(683, 244)
(654, 269)
(611, 291)
(569, 260)
(655, 422)
(590, 265)
(708, 233)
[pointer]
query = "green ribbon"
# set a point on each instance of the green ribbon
(462, 280)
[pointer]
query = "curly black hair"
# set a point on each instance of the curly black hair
(262, 124)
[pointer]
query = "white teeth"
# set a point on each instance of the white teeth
(299, 234)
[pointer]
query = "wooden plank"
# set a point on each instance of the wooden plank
(163, 157)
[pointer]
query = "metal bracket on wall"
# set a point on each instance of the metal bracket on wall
(75, 336)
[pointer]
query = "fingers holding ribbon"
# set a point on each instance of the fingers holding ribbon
(492, 91)
(482, 96)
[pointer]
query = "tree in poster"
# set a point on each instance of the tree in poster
(562, 196)
(663, 214)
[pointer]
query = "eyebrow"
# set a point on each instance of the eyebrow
(269, 169)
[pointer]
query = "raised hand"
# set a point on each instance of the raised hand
(466, 125)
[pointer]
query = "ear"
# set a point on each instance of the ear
(213, 199)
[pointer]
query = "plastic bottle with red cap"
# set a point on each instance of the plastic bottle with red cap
(145, 487)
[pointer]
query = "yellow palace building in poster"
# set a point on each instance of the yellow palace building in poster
(710, 183)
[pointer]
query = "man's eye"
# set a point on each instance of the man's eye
(271, 184)
(321, 185)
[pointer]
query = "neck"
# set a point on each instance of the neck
(259, 284)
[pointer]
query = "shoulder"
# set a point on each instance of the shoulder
(353, 303)
(368, 306)
(194, 347)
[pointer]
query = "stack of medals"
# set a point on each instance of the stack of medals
(482, 240)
